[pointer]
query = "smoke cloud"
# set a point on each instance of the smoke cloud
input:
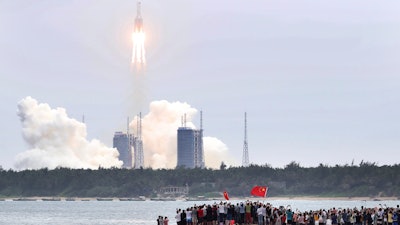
(55, 140)
(159, 135)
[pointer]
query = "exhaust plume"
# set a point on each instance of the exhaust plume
(159, 135)
(55, 140)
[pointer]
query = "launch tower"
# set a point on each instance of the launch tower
(138, 145)
(199, 149)
(245, 160)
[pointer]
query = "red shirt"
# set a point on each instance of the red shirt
(200, 213)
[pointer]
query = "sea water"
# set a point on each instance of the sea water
(137, 212)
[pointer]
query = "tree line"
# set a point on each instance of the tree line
(365, 180)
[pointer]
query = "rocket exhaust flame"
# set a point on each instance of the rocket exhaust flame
(138, 38)
(138, 53)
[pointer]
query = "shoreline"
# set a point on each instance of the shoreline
(308, 198)
(318, 198)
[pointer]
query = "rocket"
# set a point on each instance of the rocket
(138, 39)
(138, 20)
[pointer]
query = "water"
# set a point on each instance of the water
(134, 212)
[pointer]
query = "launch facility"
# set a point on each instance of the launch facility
(190, 147)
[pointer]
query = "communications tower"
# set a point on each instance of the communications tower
(245, 160)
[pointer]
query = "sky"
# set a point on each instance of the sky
(319, 80)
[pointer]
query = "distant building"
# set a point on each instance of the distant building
(123, 143)
(190, 148)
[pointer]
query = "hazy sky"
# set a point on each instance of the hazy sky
(319, 80)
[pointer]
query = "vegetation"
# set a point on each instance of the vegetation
(366, 179)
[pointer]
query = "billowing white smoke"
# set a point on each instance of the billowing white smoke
(215, 151)
(159, 135)
(58, 141)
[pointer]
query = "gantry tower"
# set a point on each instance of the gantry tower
(138, 145)
(245, 160)
(199, 148)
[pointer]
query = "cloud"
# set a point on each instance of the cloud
(55, 140)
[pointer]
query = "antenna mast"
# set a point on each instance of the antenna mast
(245, 159)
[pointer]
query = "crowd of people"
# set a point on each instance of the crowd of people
(162, 220)
(225, 213)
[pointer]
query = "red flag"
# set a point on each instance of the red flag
(226, 195)
(259, 191)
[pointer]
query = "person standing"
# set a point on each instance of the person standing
(334, 218)
(178, 217)
(278, 220)
(247, 210)
(200, 215)
(183, 218)
(166, 220)
(194, 215)
(260, 215)
(189, 216)
(390, 217)
(209, 215)
(242, 213)
(301, 219)
(160, 220)
(229, 214)
(221, 213)
(289, 216)
(380, 217)
(396, 218)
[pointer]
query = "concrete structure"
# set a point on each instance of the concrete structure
(122, 142)
(174, 191)
(190, 147)
(130, 147)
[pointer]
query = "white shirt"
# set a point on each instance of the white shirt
(221, 209)
(178, 217)
(188, 214)
(259, 211)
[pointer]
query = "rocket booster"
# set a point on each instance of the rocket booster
(138, 38)
(138, 20)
